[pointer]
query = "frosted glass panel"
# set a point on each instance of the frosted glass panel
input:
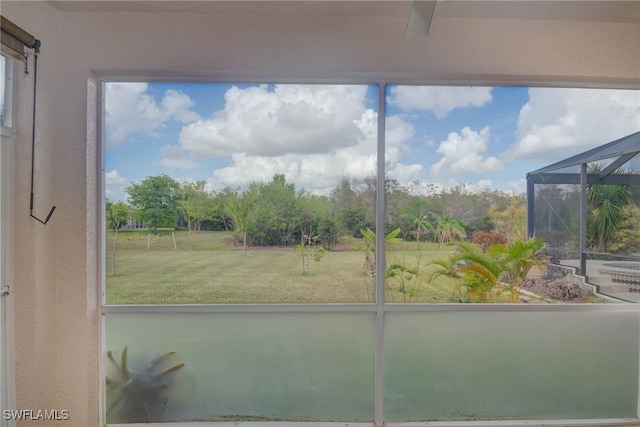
(510, 365)
(242, 366)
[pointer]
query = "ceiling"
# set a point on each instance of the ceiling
(572, 10)
(570, 42)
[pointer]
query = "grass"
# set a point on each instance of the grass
(209, 268)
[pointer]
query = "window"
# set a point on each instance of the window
(6, 238)
(239, 193)
(267, 193)
(456, 164)
(226, 286)
(6, 65)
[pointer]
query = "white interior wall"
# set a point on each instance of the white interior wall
(56, 332)
(56, 266)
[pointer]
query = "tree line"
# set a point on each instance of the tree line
(277, 213)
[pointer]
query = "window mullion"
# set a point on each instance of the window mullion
(380, 261)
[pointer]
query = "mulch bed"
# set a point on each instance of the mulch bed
(555, 289)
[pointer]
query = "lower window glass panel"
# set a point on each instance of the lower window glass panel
(240, 367)
(509, 365)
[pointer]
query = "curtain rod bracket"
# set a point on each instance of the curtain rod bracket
(26, 62)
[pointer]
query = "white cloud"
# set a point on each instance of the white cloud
(314, 135)
(439, 100)
(316, 173)
(404, 174)
(475, 187)
(173, 157)
(114, 178)
(290, 119)
(320, 173)
(517, 187)
(130, 109)
(557, 123)
(398, 132)
(114, 186)
(483, 184)
(463, 154)
(178, 105)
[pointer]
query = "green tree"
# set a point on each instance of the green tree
(511, 220)
(328, 233)
(196, 204)
(480, 225)
(117, 215)
(349, 206)
(353, 220)
(241, 209)
(343, 196)
(156, 200)
(317, 220)
(279, 215)
(627, 239)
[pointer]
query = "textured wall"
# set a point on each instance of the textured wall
(56, 306)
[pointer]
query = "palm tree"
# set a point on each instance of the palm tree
(606, 216)
(482, 271)
(478, 271)
(520, 258)
(422, 224)
(449, 229)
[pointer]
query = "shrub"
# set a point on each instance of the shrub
(328, 233)
(488, 238)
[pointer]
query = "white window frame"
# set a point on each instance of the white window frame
(7, 379)
(380, 307)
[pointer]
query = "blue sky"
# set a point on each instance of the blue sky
(230, 135)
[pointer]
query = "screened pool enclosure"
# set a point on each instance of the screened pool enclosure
(587, 207)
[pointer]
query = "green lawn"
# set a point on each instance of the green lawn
(209, 268)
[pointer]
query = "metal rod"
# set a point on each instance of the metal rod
(18, 33)
(531, 231)
(380, 261)
(583, 220)
(33, 144)
(368, 308)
